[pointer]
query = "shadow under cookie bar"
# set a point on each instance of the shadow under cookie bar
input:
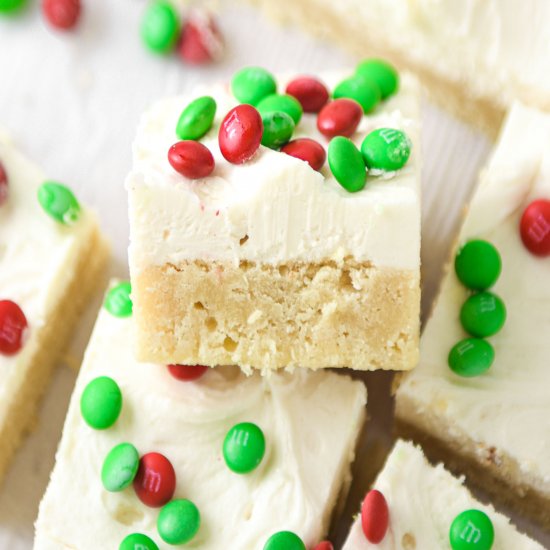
(312, 315)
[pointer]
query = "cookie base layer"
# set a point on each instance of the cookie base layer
(485, 467)
(54, 336)
(268, 317)
(484, 112)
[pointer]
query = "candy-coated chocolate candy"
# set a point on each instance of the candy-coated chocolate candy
(59, 202)
(325, 545)
(201, 40)
(281, 102)
(187, 373)
(101, 403)
(483, 314)
(138, 541)
(339, 118)
(375, 516)
(535, 227)
(363, 90)
(197, 118)
(278, 129)
(478, 264)
(7, 6)
(118, 301)
(308, 150)
(155, 481)
(62, 14)
(251, 84)
(381, 72)
(160, 26)
(120, 467)
(240, 134)
(386, 149)
(178, 522)
(346, 164)
(12, 327)
(244, 447)
(3, 184)
(472, 530)
(191, 159)
(471, 357)
(284, 540)
(310, 92)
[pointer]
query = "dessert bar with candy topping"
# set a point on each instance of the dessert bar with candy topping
(159, 455)
(51, 256)
(277, 223)
(414, 505)
(475, 57)
(480, 397)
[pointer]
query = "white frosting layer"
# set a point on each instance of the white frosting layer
(508, 407)
(501, 50)
(288, 211)
(423, 501)
(310, 421)
(37, 262)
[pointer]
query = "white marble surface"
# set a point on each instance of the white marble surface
(72, 102)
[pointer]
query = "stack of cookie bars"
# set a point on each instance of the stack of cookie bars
(204, 416)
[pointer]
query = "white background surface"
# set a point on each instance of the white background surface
(72, 102)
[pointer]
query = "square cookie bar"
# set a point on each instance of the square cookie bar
(476, 58)
(264, 256)
(236, 461)
(51, 255)
(414, 505)
(480, 397)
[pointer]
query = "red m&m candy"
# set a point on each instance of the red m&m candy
(12, 326)
(187, 373)
(535, 227)
(307, 150)
(325, 545)
(240, 134)
(191, 159)
(155, 481)
(310, 92)
(201, 40)
(62, 14)
(374, 516)
(339, 118)
(3, 185)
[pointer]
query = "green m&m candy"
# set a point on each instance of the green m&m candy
(281, 102)
(472, 530)
(120, 467)
(178, 521)
(360, 88)
(381, 72)
(244, 447)
(59, 202)
(197, 118)
(252, 84)
(278, 129)
(7, 6)
(478, 265)
(386, 149)
(284, 540)
(118, 301)
(483, 314)
(137, 541)
(346, 164)
(471, 357)
(101, 403)
(160, 26)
